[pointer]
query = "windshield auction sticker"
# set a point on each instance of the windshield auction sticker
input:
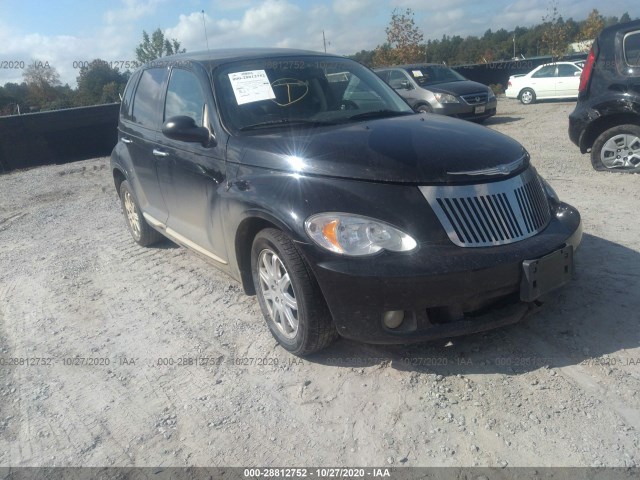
(251, 86)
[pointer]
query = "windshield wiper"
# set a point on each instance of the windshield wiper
(379, 114)
(286, 122)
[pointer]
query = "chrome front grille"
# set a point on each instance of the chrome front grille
(476, 98)
(494, 213)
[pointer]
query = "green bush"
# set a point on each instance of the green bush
(497, 88)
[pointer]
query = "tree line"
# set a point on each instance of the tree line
(98, 81)
(405, 42)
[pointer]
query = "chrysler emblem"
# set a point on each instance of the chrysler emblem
(505, 169)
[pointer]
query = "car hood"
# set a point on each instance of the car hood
(462, 87)
(410, 149)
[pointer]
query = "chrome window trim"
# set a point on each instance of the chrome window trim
(624, 49)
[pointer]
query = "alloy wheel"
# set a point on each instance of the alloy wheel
(278, 293)
(621, 151)
(526, 97)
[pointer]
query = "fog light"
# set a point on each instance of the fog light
(393, 318)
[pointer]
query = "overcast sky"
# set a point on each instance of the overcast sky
(65, 33)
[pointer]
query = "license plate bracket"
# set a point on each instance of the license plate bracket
(479, 109)
(544, 274)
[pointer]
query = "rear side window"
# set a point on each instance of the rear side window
(632, 49)
(396, 79)
(567, 71)
(545, 72)
(126, 109)
(384, 75)
(147, 97)
(184, 96)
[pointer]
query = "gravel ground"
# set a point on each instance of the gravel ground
(109, 322)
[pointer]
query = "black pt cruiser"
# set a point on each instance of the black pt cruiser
(309, 180)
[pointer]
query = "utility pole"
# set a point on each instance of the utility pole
(324, 42)
(514, 45)
(204, 25)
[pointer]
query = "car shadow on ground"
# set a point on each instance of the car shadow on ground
(594, 319)
(498, 120)
(166, 244)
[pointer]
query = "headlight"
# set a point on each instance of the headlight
(491, 94)
(355, 235)
(445, 98)
(551, 193)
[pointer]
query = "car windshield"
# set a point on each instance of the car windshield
(433, 74)
(301, 92)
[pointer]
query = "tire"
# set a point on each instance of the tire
(295, 310)
(423, 108)
(138, 227)
(617, 150)
(527, 96)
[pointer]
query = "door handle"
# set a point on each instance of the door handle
(159, 153)
(126, 140)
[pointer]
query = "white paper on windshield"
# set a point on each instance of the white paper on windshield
(251, 86)
(417, 73)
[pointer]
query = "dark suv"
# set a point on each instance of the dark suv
(606, 119)
(309, 180)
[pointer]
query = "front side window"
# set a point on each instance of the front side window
(632, 49)
(184, 96)
(547, 71)
(299, 91)
(147, 97)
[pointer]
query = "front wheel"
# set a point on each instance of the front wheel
(528, 96)
(617, 149)
(424, 108)
(289, 296)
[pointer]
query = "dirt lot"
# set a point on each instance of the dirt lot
(561, 389)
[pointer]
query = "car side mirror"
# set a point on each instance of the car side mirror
(184, 129)
(406, 85)
(577, 74)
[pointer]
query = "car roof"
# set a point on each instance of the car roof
(561, 63)
(411, 65)
(613, 29)
(214, 57)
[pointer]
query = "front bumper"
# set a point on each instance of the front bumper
(465, 111)
(443, 289)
